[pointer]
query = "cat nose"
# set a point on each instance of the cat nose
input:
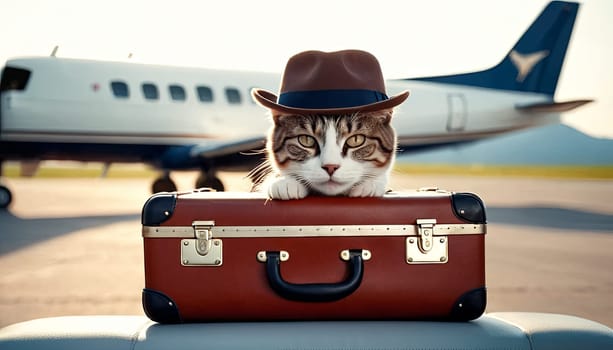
(330, 168)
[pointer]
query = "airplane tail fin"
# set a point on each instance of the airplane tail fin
(535, 62)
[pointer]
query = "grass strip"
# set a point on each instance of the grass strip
(544, 171)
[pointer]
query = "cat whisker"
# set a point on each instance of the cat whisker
(254, 152)
(259, 174)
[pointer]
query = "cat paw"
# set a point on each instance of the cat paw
(284, 188)
(368, 189)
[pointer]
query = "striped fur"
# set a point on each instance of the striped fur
(347, 155)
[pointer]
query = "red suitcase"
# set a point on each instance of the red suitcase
(219, 256)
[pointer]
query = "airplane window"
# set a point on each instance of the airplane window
(150, 91)
(177, 92)
(233, 96)
(120, 89)
(205, 94)
(14, 79)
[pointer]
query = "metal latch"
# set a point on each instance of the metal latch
(424, 248)
(202, 231)
(425, 230)
(204, 249)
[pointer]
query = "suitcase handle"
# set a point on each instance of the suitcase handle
(315, 292)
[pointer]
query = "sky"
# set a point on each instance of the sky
(410, 38)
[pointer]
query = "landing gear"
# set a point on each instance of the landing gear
(5, 194)
(209, 179)
(163, 184)
(5, 197)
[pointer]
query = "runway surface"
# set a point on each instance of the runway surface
(74, 246)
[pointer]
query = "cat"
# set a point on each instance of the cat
(331, 155)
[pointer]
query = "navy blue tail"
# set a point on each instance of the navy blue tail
(535, 62)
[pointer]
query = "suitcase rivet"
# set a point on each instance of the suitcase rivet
(442, 240)
(411, 241)
(345, 255)
(217, 262)
(185, 262)
(366, 255)
(410, 259)
(185, 243)
(216, 242)
(443, 259)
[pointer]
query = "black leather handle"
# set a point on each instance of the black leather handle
(314, 291)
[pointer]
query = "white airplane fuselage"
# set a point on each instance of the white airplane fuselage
(71, 101)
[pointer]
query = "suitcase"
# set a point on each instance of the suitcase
(222, 256)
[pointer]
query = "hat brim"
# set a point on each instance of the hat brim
(269, 100)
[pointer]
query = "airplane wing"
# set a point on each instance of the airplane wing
(221, 148)
(222, 153)
(549, 107)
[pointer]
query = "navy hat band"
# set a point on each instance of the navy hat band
(328, 99)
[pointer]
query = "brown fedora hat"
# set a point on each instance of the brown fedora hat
(316, 82)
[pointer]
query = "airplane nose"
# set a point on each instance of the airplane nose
(330, 168)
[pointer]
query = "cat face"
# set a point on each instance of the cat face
(330, 155)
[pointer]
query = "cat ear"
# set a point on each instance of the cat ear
(384, 116)
(387, 114)
(275, 117)
(278, 118)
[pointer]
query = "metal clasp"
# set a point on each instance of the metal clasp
(425, 249)
(425, 230)
(203, 234)
(204, 249)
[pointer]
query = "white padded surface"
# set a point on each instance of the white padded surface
(488, 334)
(492, 331)
(74, 332)
(559, 332)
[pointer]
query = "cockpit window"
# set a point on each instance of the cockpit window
(14, 79)
(120, 89)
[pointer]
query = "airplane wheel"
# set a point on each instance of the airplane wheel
(5, 197)
(163, 184)
(210, 182)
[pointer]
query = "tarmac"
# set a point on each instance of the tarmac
(74, 246)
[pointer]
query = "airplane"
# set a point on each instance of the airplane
(179, 118)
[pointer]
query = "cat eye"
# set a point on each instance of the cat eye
(355, 141)
(306, 140)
